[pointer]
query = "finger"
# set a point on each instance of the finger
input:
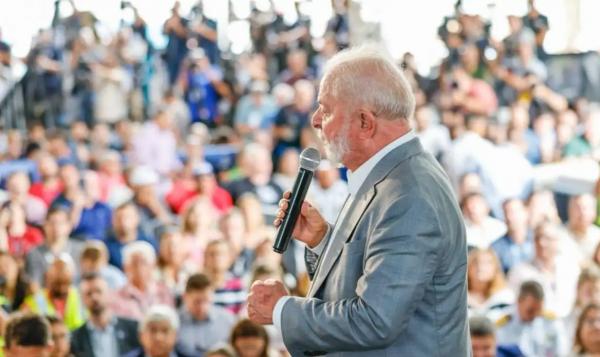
(256, 286)
(287, 194)
(283, 204)
(277, 222)
(280, 214)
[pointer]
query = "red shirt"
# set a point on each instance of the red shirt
(20, 246)
(46, 194)
(184, 191)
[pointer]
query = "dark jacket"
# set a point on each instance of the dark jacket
(126, 332)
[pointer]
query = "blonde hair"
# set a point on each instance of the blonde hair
(498, 282)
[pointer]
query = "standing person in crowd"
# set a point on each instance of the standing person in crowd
(482, 229)
(60, 297)
(57, 242)
(125, 231)
(557, 273)
(60, 337)
(146, 186)
(230, 292)
(103, 334)
(233, 229)
(112, 86)
(488, 294)
(367, 294)
(175, 28)
(203, 325)
(143, 289)
(171, 263)
(537, 333)
(198, 228)
(587, 333)
(517, 245)
(27, 335)
(158, 333)
(255, 111)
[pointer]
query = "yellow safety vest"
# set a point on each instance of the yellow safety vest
(74, 310)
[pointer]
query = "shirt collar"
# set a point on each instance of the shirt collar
(358, 177)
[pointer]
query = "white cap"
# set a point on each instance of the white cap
(143, 175)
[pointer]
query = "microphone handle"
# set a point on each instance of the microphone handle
(284, 234)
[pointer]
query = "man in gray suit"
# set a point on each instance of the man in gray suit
(390, 274)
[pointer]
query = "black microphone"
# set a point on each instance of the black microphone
(309, 161)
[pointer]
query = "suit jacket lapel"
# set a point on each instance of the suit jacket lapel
(361, 202)
(87, 341)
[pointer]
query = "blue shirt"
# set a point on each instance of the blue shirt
(94, 222)
(511, 254)
(115, 248)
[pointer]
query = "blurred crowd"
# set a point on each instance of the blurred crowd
(137, 207)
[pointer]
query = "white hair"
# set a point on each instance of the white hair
(138, 247)
(160, 313)
(366, 75)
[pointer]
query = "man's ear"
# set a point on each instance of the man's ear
(368, 124)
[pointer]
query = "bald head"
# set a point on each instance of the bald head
(59, 277)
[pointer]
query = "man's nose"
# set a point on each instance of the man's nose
(316, 120)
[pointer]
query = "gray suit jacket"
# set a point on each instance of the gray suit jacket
(393, 280)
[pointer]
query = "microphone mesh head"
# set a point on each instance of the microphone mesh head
(310, 159)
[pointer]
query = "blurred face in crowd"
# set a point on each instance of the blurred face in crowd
(70, 176)
(519, 117)
(327, 177)
(91, 184)
(515, 214)
(158, 338)
(163, 120)
(137, 270)
(125, 221)
(207, 183)
(582, 212)
(590, 331)
(101, 135)
(483, 346)
(233, 229)
(249, 346)
(469, 183)
(297, 62)
(57, 227)
(60, 337)
(18, 184)
(588, 292)
(305, 95)
(47, 166)
(58, 279)
(171, 251)
(79, 131)
(289, 163)
(476, 209)
(201, 215)
(482, 270)
(14, 144)
(217, 257)
(198, 303)
(529, 308)
(95, 295)
(546, 243)
(111, 164)
(542, 207)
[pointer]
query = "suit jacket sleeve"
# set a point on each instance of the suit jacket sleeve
(399, 262)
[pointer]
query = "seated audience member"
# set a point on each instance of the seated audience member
(198, 226)
(89, 217)
(557, 274)
(588, 292)
(59, 298)
(516, 246)
(56, 230)
(60, 337)
(126, 230)
(250, 339)
(158, 333)
(487, 293)
(233, 229)
(17, 187)
(16, 284)
(542, 208)
(27, 335)
(104, 334)
(94, 259)
(482, 229)
(203, 325)
(229, 290)
(535, 332)
(145, 183)
(50, 185)
(143, 289)
(171, 268)
(483, 340)
(587, 333)
(16, 235)
(580, 228)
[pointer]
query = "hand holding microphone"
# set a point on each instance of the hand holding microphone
(295, 217)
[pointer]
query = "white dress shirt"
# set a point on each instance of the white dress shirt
(355, 181)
